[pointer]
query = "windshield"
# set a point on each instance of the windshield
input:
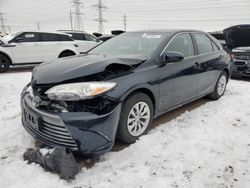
(142, 44)
(9, 37)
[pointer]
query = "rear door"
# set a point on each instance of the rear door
(51, 46)
(179, 80)
(210, 56)
(27, 49)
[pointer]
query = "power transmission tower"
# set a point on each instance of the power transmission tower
(125, 22)
(38, 26)
(71, 20)
(78, 19)
(100, 8)
(2, 23)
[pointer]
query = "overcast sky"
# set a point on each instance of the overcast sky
(206, 15)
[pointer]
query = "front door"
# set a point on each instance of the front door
(179, 80)
(27, 48)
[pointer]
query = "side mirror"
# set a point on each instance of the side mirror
(18, 40)
(173, 56)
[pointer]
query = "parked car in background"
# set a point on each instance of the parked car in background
(238, 41)
(85, 40)
(116, 89)
(219, 36)
(104, 38)
(28, 47)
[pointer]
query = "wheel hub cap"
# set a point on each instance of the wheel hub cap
(138, 119)
(221, 85)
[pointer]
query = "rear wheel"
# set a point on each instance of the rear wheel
(136, 118)
(66, 54)
(4, 63)
(220, 86)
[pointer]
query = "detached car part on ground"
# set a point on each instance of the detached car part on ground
(28, 47)
(238, 41)
(115, 91)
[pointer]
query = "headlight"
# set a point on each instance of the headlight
(79, 91)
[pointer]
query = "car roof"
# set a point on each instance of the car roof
(166, 31)
(52, 32)
(73, 31)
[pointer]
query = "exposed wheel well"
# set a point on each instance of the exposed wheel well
(66, 51)
(7, 56)
(145, 91)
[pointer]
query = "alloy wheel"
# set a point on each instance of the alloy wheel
(138, 118)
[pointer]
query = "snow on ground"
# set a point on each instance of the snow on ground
(206, 147)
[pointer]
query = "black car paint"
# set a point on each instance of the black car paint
(169, 85)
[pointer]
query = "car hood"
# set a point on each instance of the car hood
(79, 66)
(237, 36)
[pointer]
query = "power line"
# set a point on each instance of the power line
(71, 20)
(38, 26)
(100, 8)
(78, 19)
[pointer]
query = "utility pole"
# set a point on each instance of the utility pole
(100, 8)
(2, 23)
(78, 20)
(38, 26)
(125, 22)
(71, 20)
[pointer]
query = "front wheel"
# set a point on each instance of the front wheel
(4, 63)
(136, 118)
(220, 86)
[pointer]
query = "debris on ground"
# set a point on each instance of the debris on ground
(57, 160)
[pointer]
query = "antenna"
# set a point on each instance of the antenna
(100, 8)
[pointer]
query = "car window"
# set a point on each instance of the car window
(215, 47)
(50, 37)
(90, 38)
(64, 37)
(134, 43)
(29, 37)
(182, 43)
(77, 36)
(204, 43)
(46, 37)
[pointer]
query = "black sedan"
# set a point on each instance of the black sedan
(115, 91)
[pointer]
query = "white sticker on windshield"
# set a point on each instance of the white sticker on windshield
(29, 35)
(149, 36)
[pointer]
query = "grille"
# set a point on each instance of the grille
(240, 63)
(242, 57)
(55, 135)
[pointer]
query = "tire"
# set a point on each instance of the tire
(130, 127)
(4, 63)
(66, 54)
(220, 86)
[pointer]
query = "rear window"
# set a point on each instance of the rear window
(90, 38)
(47, 37)
(204, 43)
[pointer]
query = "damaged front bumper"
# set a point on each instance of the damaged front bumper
(241, 68)
(86, 132)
